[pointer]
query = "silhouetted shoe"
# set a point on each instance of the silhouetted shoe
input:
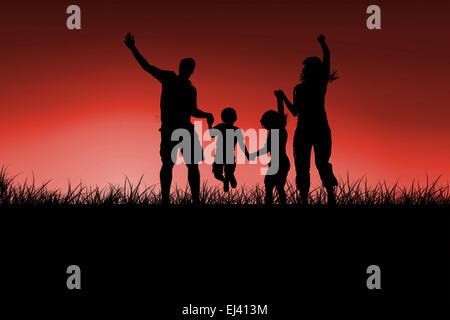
(233, 181)
(226, 186)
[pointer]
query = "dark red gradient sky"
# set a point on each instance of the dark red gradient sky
(75, 105)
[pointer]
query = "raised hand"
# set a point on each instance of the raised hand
(321, 38)
(129, 40)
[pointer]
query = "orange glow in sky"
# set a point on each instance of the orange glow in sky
(76, 105)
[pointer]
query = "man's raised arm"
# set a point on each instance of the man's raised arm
(154, 71)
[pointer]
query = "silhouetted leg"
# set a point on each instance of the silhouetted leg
(226, 185)
(281, 192)
(322, 151)
(218, 174)
(192, 165)
(281, 180)
(165, 176)
(229, 174)
(269, 185)
(194, 182)
(331, 196)
(217, 170)
(302, 157)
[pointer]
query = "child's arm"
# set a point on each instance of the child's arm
(280, 106)
(210, 123)
(214, 131)
(289, 105)
(260, 152)
(241, 142)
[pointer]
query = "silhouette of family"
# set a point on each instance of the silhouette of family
(179, 103)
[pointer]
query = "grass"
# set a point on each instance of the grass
(348, 193)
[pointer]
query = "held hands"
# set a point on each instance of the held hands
(210, 119)
(129, 40)
(321, 38)
(279, 94)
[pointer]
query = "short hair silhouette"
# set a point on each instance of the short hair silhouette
(187, 66)
(313, 70)
(229, 116)
(273, 120)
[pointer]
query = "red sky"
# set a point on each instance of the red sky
(75, 104)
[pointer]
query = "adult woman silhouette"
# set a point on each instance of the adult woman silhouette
(312, 125)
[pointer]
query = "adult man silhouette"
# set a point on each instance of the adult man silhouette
(178, 104)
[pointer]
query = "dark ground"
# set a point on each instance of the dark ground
(150, 262)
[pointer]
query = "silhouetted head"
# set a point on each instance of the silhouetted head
(272, 120)
(313, 70)
(186, 68)
(229, 116)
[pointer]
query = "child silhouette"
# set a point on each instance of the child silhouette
(273, 120)
(224, 159)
